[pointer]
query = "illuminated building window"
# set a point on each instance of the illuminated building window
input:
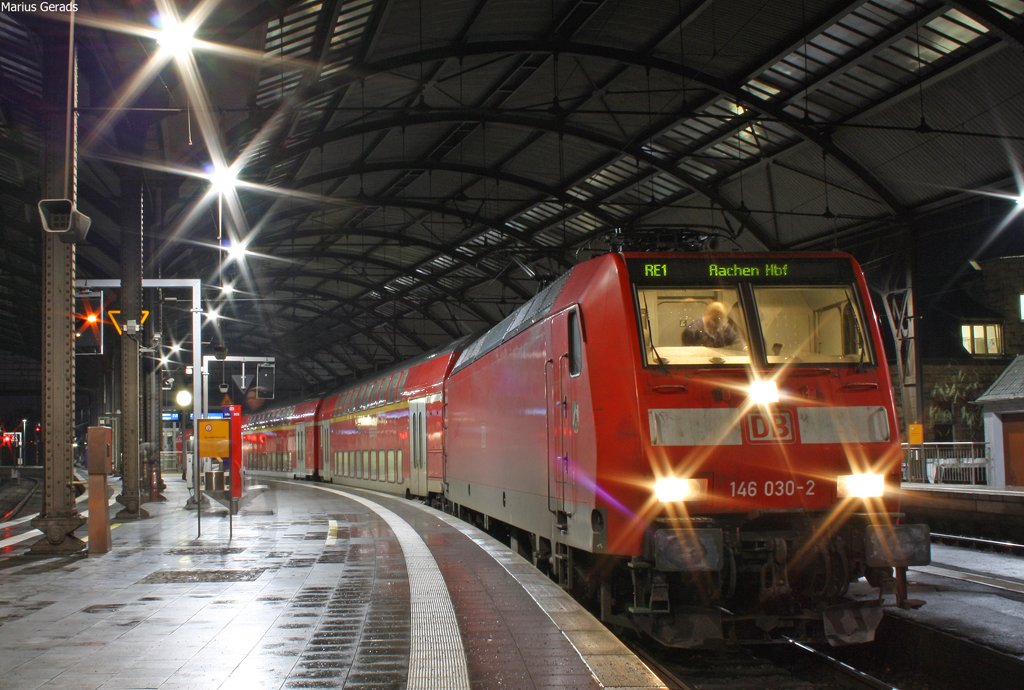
(1022, 307)
(982, 338)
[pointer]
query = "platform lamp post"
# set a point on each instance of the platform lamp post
(183, 399)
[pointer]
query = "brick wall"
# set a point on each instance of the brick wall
(1003, 284)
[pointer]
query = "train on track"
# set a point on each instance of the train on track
(698, 488)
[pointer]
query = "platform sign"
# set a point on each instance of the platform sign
(265, 381)
(915, 434)
(233, 414)
(214, 438)
(115, 319)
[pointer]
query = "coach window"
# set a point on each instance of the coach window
(575, 344)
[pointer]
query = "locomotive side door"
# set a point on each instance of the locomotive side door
(562, 410)
(418, 447)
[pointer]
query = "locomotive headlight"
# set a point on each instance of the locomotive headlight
(675, 489)
(763, 392)
(866, 485)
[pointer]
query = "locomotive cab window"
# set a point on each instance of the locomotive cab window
(575, 344)
(815, 324)
(687, 326)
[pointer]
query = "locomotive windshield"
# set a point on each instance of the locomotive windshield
(693, 326)
(815, 324)
(746, 312)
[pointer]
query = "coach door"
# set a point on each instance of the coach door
(562, 411)
(324, 460)
(299, 464)
(418, 447)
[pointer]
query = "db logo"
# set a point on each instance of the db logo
(774, 428)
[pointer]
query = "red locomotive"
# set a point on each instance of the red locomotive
(704, 446)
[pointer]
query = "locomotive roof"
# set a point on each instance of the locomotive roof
(518, 321)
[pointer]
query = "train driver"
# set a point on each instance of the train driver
(714, 329)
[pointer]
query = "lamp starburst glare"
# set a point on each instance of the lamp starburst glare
(175, 37)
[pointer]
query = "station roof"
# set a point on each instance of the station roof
(410, 172)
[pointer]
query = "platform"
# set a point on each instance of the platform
(966, 509)
(317, 588)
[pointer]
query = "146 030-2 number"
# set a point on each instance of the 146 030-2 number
(776, 487)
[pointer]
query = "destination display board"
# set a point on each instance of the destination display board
(711, 270)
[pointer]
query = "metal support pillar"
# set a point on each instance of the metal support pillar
(131, 313)
(154, 389)
(899, 310)
(152, 443)
(59, 517)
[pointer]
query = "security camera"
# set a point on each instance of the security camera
(62, 217)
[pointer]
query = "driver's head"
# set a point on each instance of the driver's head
(714, 317)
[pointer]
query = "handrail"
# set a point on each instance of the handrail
(954, 462)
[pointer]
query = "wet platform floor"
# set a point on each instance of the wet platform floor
(309, 587)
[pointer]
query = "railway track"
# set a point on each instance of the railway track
(791, 665)
(978, 543)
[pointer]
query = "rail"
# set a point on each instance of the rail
(947, 463)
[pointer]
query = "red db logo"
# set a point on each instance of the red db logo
(774, 428)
